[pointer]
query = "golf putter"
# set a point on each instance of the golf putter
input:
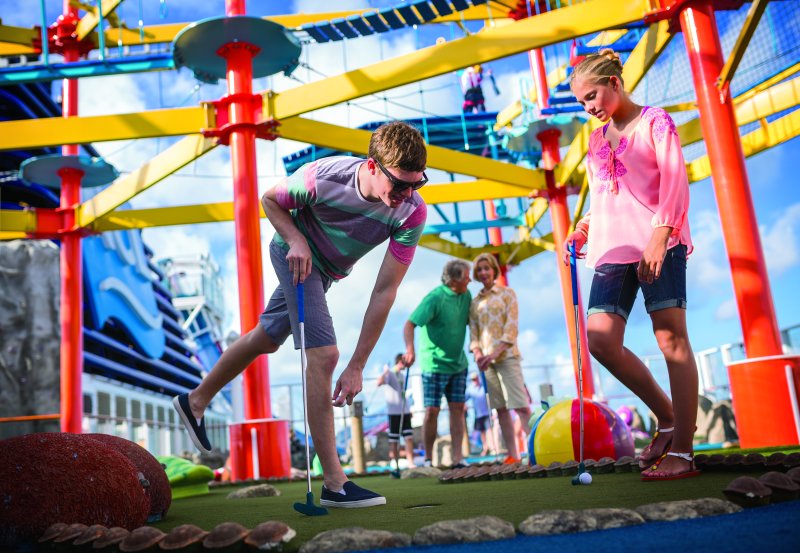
(574, 273)
(396, 471)
(491, 422)
(307, 508)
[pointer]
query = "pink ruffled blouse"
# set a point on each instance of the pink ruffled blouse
(638, 186)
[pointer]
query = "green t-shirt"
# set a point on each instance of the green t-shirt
(443, 317)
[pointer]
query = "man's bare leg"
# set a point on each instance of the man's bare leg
(457, 425)
(321, 363)
(430, 430)
(231, 363)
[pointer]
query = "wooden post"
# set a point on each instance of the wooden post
(357, 438)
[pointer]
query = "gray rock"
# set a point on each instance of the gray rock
(421, 472)
(666, 511)
(614, 518)
(623, 464)
(710, 506)
(688, 508)
(354, 539)
(557, 522)
(31, 334)
(482, 528)
(261, 490)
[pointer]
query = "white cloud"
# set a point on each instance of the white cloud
(726, 310)
(780, 240)
(708, 264)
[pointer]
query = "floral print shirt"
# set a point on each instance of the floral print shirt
(494, 318)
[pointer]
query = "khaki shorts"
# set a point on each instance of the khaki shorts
(506, 385)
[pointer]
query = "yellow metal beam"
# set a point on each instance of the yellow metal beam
(223, 211)
(509, 253)
(357, 142)
(767, 136)
(15, 221)
(775, 79)
(768, 102)
(166, 216)
(490, 44)
(480, 189)
(89, 22)
(491, 10)
(18, 36)
(160, 167)
(647, 51)
(54, 131)
(582, 195)
(15, 40)
(745, 34)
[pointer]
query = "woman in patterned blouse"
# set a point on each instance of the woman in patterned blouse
(493, 329)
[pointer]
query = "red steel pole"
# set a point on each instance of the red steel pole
(496, 239)
(559, 214)
(70, 260)
(731, 185)
(239, 58)
(761, 389)
(536, 59)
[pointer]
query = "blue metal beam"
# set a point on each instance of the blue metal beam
(442, 7)
(425, 10)
(439, 228)
(376, 22)
(88, 68)
(360, 25)
(393, 19)
(409, 16)
(344, 27)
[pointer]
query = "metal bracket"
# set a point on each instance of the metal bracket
(264, 128)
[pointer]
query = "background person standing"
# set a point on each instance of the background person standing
(443, 315)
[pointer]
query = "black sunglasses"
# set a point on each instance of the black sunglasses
(400, 185)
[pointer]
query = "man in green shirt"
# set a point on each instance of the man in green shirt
(444, 316)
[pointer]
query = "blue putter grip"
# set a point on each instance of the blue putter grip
(300, 303)
(483, 381)
(573, 269)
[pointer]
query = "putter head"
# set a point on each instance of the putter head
(396, 473)
(308, 508)
(575, 482)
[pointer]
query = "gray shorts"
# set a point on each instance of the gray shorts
(280, 318)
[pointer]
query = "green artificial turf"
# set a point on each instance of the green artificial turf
(414, 503)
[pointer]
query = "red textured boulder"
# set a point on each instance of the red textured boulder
(52, 477)
(158, 490)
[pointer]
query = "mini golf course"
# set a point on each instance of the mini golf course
(418, 502)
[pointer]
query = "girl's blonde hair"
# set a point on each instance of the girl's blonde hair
(488, 258)
(598, 68)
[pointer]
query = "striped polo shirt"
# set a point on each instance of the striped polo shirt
(340, 224)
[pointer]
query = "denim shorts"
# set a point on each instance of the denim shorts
(614, 286)
(280, 319)
(452, 386)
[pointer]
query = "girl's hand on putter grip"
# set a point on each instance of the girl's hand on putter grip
(347, 387)
(299, 260)
(579, 238)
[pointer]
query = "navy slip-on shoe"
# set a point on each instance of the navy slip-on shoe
(351, 497)
(197, 431)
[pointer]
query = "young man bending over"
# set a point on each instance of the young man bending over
(328, 215)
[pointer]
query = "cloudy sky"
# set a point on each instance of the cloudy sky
(712, 315)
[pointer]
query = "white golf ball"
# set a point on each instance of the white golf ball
(585, 478)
